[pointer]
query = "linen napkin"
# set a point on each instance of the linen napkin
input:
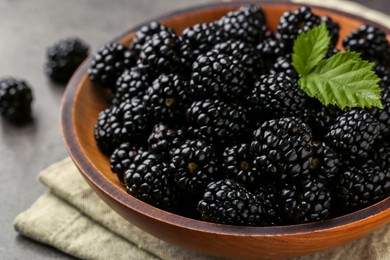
(73, 219)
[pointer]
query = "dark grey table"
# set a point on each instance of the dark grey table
(26, 29)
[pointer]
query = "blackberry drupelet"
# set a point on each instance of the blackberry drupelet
(193, 165)
(15, 100)
(270, 49)
(325, 164)
(228, 202)
(64, 57)
(371, 42)
(269, 196)
(358, 187)
(148, 179)
(283, 148)
(160, 54)
(104, 131)
(309, 201)
(123, 157)
(218, 75)
(164, 138)
(283, 64)
(275, 96)
(333, 29)
(218, 121)
(109, 63)
(132, 83)
(246, 24)
(247, 54)
(293, 23)
(168, 97)
(353, 134)
(237, 163)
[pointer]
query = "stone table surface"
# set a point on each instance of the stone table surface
(26, 29)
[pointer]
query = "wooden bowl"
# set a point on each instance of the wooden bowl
(83, 101)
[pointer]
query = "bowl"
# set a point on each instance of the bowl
(82, 102)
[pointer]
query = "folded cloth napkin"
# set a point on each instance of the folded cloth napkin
(73, 219)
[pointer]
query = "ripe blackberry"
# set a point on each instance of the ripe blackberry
(283, 148)
(371, 42)
(148, 179)
(384, 74)
(309, 201)
(123, 157)
(167, 97)
(246, 24)
(160, 54)
(109, 63)
(353, 134)
(325, 164)
(132, 83)
(246, 53)
(104, 131)
(202, 37)
(217, 121)
(333, 29)
(164, 139)
(283, 64)
(145, 33)
(227, 202)
(64, 57)
(293, 23)
(218, 75)
(237, 163)
(15, 99)
(383, 115)
(358, 187)
(269, 196)
(276, 95)
(270, 49)
(194, 165)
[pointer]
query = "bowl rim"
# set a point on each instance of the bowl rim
(100, 182)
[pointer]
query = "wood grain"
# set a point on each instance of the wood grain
(83, 101)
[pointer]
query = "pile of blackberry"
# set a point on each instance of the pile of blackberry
(210, 123)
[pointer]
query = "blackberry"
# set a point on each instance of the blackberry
(64, 57)
(309, 201)
(371, 42)
(283, 64)
(132, 83)
(246, 53)
(358, 187)
(218, 75)
(270, 49)
(167, 97)
(353, 134)
(269, 196)
(246, 24)
(148, 179)
(193, 165)
(383, 115)
(227, 202)
(145, 33)
(381, 154)
(325, 164)
(104, 131)
(237, 163)
(283, 148)
(276, 95)
(333, 29)
(109, 63)
(384, 74)
(160, 54)
(293, 23)
(163, 139)
(217, 121)
(15, 99)
(123, 157)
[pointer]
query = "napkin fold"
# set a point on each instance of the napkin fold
(73, 219)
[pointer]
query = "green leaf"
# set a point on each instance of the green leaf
(344, 80)
(310, 48)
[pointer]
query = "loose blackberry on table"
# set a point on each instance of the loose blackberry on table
(213, 123)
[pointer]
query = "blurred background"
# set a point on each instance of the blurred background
(27, 28)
